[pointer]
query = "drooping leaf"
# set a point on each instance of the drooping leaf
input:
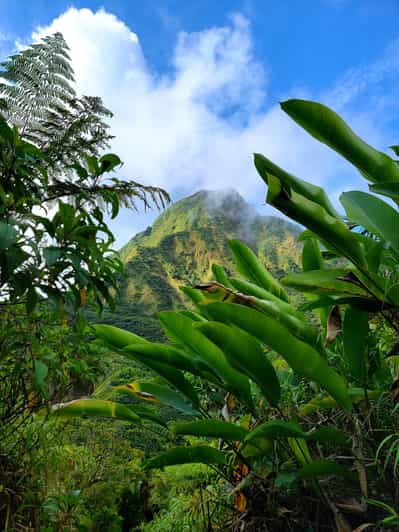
(95, 408)
(276, 429)
(153, 392)
(277, 309)
(327, 127)
(168, 362)
(248, 288)
(312, 193)
(187, 455)
(302, 357)
(332, 281)
(245, 353)
(115, 337)
(206, 352)
(331, 230)
(212, 428)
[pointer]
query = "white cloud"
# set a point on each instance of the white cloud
(197, 126)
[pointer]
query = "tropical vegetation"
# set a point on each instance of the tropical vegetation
(267, 404)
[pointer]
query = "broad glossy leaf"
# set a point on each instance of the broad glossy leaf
(356, 327)
(363, 303)
(288, 429)
(150, 391)
(248, 288)
(332, 281)
(206, 352)
(373, 214)
(331, 230)
(249, 265)
(115, 337)
(303, 358)
(95, 408)
(246, 354)
(277, 309)
(163, 353)
(313, 193)
(327, 127)
(212, 428)
(167, 361)
(187, 455)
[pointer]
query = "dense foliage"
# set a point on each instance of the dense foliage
(56, 256)
(262, 410)
(287, 401)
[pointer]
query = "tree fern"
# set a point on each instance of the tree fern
(37, 95)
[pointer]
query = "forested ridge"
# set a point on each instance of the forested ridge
(225, 370)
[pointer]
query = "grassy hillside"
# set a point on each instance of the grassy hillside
(181, 246)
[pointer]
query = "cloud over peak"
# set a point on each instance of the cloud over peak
(196, 125)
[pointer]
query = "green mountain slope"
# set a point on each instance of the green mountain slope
(184, 242)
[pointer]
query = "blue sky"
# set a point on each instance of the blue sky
(195, 85)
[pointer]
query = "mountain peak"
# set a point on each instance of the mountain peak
(224, 208)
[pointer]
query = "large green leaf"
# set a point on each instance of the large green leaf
(212, 428)
(355, 328)
(115, 337)
(167, 361)
(246, 354)
(303, 358)
(187, 455)
(95, 408)
(248, 288)
(335, 282)
(280, 310)
(373, 214)
(313, 193)
(154, 392)
(249, 265)
(206, 352)
(331, 230)
(327, 127)
(276, 429)
(145, 412)
(289, 429)
(165, 354)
